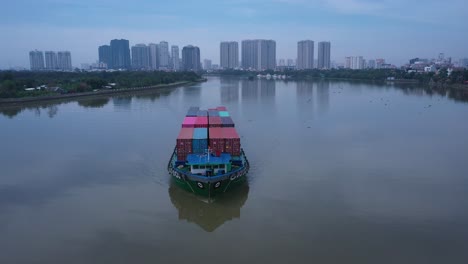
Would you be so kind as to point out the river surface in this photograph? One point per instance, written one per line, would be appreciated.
(341, 172)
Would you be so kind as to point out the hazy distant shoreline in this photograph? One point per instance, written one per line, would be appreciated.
(13, 101)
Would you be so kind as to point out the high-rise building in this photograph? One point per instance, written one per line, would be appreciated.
(175, 57)
(348, 62)
(153, 56)
(305, 54)
(191, 58)
(206, 64)
(120, 50)
(36, 60)
(51, 60)
(140, 57)
(229, 54)
(281, 62)
(291, 63)
(324, 55)
(259, 54)
(105, 55)
(357, 63)
(64, 62)
(163, 55)
(371, 64)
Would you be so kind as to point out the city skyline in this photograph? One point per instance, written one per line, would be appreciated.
(370, 29)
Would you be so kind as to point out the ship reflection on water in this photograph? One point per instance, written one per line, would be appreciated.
(208, 214)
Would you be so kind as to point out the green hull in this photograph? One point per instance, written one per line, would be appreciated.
(209, 189)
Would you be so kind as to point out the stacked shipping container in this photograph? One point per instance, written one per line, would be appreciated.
(184, 143)
(213, 128)
(201, 122)
(189, 121)
(200, 140)
(193, 111)
(224, 140)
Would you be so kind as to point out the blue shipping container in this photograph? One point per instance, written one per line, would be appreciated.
(223, 113)
(199, 146)
(213, 113)
(202, 113)
(200, 140)
(200, 133)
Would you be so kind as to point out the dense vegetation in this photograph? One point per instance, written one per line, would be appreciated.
(13, 84)
(442, 77)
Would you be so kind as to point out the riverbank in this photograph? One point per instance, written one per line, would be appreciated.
(14, 101)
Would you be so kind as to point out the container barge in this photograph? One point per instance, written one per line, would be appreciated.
(208, 158)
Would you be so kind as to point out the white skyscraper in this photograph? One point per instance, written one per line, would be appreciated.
(64, 62)
(305, 54)
(229, 55)
(51, 60)
(163, 55)
(324, 55)
(175, 58)
(36, 60)
(357, 63)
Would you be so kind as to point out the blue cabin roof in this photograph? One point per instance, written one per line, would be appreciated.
(200, 159)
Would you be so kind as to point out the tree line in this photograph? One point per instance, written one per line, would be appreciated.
(14, 83)
(442, 77)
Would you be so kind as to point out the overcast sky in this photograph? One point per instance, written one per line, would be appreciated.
(396, 30)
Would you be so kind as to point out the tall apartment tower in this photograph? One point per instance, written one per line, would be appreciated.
(305, 55)
(51, 60)
(64, 62)
(120, 50)
(140, 57)
(175, 58)
(163, 55)
(354, 63)
(191, 58)
(153, 56)
(105, 55)
(229, 55)
(324, 55)
(259, 54)
(36, 60)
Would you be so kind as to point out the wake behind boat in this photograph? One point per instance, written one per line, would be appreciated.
(208, 158)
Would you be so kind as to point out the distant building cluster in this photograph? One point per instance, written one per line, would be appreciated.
(432, 65)
(359, 63)
(52, 61)
(118, 55)
(254, 54)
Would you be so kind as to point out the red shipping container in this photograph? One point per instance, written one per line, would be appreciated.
(184, 143)
(216, 140)
(215, 121)
(201, 122)
(232, 141)
(221, 108)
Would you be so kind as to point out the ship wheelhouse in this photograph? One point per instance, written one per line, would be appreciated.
(208, 164)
